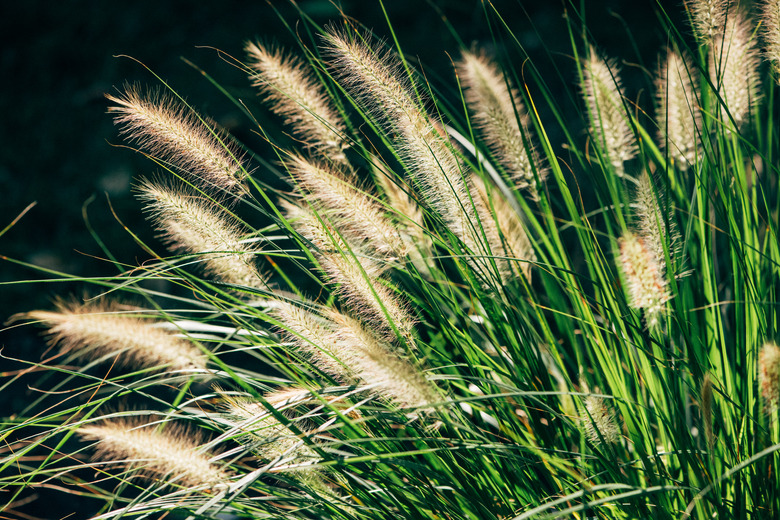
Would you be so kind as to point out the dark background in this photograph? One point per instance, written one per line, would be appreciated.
(57, 62)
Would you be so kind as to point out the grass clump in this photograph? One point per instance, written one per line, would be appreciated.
(440, 313)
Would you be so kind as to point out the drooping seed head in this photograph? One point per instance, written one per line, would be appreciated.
(292, 90)
(170, 131)
(171, 455)
(355, 212)
(100, 329)
(500, 116)
(193, 225)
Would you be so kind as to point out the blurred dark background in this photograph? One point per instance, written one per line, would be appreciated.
(57, 60)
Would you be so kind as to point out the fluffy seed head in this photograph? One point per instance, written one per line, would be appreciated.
(172, 132)
(171, 455)
(677, 112)
(374, 361)
(354, 212)
(599, 422)
(99, 329)
(654, 222)
(500, 116)
(734, 64)
(292, 91)
(644, 276)
(381, 85)
(708, 17)
(771, 34)
(609, 123)
(355, 275)
(769, 374)
(189, 224)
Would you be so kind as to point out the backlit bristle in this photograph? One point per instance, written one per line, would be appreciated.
(677, 114)
(193, 225)
(734, 70)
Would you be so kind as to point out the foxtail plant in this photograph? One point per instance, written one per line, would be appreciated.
(439, 311)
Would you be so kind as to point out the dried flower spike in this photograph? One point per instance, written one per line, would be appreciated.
(292, 91)
(172, 132)
(500, 116)
(609, 123)
(378, 81)
(677, 112)
(191, 225)
(708, 17)
(172, 455)
(267, 436)
(99, 329)
(769, 374)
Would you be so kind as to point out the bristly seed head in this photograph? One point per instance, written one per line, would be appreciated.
(677, 113)
(99, 329)
(171, 455)
(770, 19)
(499, 114)
(599, 421)
(734, 64)
(170, 131)
(292, 91)
(190, 224)
(645, 281)
(609, 123)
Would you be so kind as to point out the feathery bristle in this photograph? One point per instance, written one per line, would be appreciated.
(677, 113)
(769, 374)
(599, 422)
(510, 236)
(189, 224)
(171, 456)
(770, 19)
(500, 116)
(292, 91)
(734, 63)
(312, 335)
(609, 122)
(377, 80)
(347, 350)
(99, 329)
(172, 132)
(708, 17)
(354, 212)
(645, 281)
